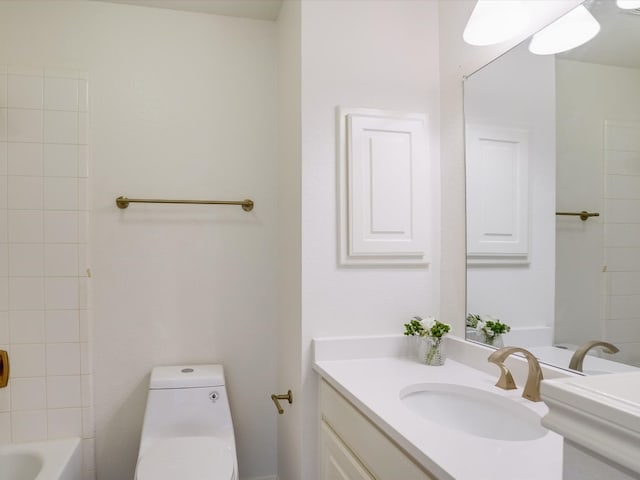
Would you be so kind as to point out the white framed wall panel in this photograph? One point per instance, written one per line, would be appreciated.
(497, 195)
(384, 175)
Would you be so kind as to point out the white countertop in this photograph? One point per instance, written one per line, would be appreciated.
(373, 385)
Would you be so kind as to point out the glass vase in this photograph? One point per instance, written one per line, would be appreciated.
(416, 342)
(494, 341)
(432, 351)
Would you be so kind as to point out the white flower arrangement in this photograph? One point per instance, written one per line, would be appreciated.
(429, 333)
(426, 327)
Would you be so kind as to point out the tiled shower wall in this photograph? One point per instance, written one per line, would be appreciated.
(44, 316)
(622, 238)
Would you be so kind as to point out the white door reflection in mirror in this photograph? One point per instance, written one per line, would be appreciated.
(497, 194)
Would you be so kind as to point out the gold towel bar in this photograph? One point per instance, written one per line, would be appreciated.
(123, 202)
(583, 215)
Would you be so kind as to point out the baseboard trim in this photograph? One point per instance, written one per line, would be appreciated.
(270, 477)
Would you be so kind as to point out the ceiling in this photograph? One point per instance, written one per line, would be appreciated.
(257, 9)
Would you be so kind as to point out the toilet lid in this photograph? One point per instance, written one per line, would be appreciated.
(193, 458)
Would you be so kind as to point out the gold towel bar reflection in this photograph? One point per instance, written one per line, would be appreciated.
(123, 202)
(583, 215)
(275, 398)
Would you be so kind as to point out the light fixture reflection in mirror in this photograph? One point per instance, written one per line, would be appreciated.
(568, 32)
(628, 4)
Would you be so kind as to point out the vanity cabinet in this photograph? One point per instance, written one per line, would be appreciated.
(337, 461)
(353, 448)
(599, 418)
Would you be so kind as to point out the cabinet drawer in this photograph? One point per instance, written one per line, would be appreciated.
(337, 461)
(375, 450)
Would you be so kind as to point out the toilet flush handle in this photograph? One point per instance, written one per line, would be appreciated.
(276, 399)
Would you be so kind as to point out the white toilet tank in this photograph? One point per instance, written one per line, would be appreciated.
(187, 425)
(186, 400)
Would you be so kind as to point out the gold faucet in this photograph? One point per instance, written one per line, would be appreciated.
(579, 354)
(532, 387)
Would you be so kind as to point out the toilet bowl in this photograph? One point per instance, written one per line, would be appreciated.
(187, 431)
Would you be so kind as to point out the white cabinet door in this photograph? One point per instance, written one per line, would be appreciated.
(352, 447)
(337, 462)
(385, 187)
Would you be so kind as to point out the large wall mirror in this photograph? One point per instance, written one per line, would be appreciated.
(549, 137)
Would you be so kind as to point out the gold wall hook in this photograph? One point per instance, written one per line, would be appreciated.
(276, 398)
(4, 368)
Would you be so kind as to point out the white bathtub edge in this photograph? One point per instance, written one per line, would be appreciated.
(62, 459)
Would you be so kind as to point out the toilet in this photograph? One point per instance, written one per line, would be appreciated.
(187, 431)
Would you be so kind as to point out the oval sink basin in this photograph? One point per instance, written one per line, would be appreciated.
(473, 411)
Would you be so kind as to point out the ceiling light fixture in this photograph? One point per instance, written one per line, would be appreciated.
(569, 31)
(494, 21)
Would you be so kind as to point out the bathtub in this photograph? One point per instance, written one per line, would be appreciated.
(50, 460)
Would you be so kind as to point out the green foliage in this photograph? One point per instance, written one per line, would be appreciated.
(497, 327)
(414, 327)
(472, 320)
(439, 329)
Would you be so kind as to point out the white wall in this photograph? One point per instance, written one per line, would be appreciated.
(592, 303)
(375, 54)
(358, 66)
(517, 90)
(183, 105)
